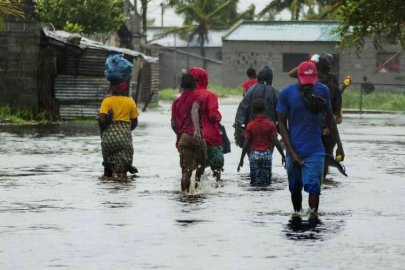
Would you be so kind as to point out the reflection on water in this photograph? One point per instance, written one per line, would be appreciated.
(301, 228)
(189, 222)
(56, 211)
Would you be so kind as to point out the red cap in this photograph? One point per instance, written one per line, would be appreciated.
(307, 73)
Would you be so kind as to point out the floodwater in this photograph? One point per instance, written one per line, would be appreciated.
(56, 212)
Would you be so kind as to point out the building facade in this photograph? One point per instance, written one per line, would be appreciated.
(284, 44)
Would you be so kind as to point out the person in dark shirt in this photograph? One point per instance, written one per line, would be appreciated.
(264, 91)
(251, 73)
(186, 123)
(336, 104)
(260, 137)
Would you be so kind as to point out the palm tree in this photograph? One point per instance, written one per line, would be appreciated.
(199, 17)
(144, 7)
(329, 9)
(295, 7)
(9, 7)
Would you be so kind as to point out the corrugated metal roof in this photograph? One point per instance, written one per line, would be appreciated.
(214, 39)
(85, 43)
(304, 31)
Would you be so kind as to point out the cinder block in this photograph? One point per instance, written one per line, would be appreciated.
(15, 26)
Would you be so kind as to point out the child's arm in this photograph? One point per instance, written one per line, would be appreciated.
(246, 146)
(280, 149)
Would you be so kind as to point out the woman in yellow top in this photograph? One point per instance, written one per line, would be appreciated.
(118, 117)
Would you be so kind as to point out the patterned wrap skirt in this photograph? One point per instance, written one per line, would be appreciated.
(260, 168)
(117, 148)
(215, 157)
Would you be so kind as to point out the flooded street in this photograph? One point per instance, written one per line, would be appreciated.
(55, 212)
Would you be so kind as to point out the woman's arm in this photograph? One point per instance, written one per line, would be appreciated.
(102, 122)
(134, 123)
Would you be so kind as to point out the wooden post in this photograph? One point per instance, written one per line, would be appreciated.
(148, 101)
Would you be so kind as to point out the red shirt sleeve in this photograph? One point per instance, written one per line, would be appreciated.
(213, 111)
(173, 110)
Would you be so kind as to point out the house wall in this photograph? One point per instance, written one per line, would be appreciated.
(238, 56)
(19, 58)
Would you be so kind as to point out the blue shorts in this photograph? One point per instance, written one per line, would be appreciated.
(308, 176)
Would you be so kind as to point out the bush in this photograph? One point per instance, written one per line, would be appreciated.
(386, 101)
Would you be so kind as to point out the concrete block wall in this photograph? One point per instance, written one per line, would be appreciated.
(238, 56)
(150, 78)
(19, 57)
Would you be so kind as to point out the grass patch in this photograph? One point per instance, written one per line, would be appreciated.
(23, 116)
(384, 101)
(16, 115)
(222, 92)
(225, 92)
(168, 94)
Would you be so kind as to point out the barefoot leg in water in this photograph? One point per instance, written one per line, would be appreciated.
(108, 172)
(199, 172)
(185, 181)
(217, 174)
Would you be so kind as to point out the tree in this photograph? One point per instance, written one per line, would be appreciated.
(199, 17)
(92, 16)
(381, 20)
(294, 6)
(328, 9)
(9, 7)
(144, 7)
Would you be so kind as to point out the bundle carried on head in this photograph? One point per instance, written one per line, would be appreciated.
(117, 71)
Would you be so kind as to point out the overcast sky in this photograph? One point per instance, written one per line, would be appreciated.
(171, 19)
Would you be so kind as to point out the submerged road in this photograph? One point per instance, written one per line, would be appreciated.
(56, 212)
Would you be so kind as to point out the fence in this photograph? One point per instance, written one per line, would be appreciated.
(369, 97)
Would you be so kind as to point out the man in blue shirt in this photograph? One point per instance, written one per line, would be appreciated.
(302, 105)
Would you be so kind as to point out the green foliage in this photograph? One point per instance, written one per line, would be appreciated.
(327, 9)
(44, 117)
(73, 27)
(200, 16)
(294, 6)
(374, 101)
(151, 22)
(168, 94)
(222, 92)
(24, 115)
(9, 7)
(381, 20)
(16, 115)
(93, 16)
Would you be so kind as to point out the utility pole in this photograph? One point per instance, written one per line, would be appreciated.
(162, 5)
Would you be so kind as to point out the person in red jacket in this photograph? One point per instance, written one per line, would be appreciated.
(211, 117)
(251, 73)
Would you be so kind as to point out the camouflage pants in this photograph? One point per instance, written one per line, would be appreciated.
(116, 145)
